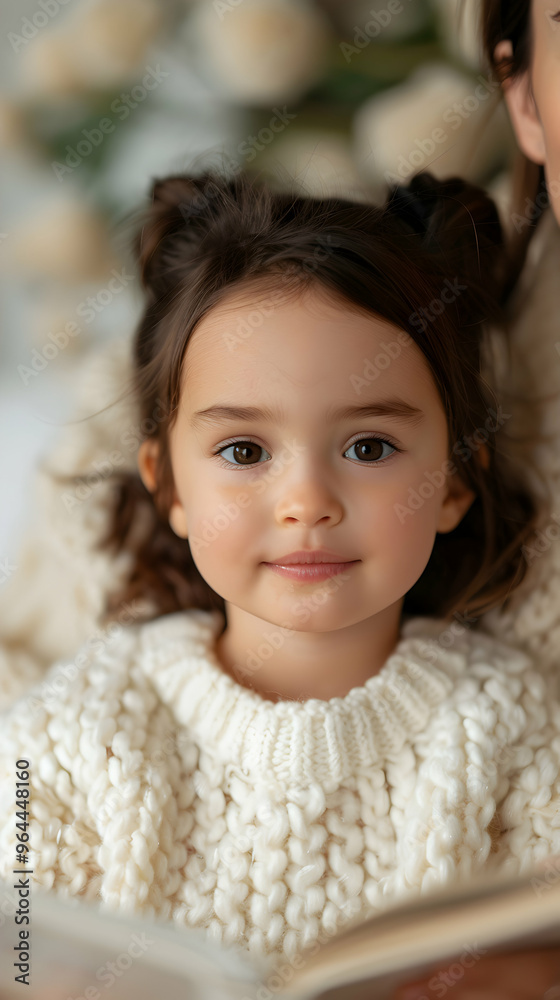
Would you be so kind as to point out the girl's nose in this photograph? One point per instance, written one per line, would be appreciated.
(310, 500)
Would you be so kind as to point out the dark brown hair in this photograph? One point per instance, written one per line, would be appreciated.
(204, 235)
(511, 19)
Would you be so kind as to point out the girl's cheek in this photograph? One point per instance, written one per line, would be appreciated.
(412, 517)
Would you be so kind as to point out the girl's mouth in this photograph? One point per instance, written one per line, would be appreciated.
(309, 572)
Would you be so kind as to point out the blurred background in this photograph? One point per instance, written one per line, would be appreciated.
(99, 97)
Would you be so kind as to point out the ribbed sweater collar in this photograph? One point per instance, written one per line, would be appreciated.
(293, 742)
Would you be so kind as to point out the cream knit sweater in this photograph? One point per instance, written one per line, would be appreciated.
(160, 785)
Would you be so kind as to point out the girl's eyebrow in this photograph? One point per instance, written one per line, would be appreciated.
(398, 409)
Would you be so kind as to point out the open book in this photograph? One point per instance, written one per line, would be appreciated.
(78, 951)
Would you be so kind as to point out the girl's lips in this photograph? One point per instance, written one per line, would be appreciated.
(309, 572)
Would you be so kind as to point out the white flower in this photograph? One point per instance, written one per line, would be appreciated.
(110, 38)
(48, 69)
(63, 240)
(438, 120)
(99, 45)
(260, 51)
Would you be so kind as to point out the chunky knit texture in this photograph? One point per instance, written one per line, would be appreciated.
(162, 786)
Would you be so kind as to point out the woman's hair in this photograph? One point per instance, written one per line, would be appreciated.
(431, 261)
(507, 19)
(511, 19)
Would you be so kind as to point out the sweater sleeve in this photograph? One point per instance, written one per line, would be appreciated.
(110, 786)
(528, 791)
(43, 803)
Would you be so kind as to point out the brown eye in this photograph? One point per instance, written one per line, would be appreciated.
(371, 450)
(243, 453)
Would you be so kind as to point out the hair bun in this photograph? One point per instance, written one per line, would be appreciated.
(415, 203)
(176, 203)
(458, 221)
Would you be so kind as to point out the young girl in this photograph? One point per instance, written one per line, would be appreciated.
(302, 723)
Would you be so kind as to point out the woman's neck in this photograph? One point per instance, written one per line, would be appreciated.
(289, 665)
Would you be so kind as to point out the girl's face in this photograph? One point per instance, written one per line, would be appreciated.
(532, 98)
(305, 474)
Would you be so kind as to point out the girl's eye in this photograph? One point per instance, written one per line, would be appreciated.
(370, 450)
(241, 450)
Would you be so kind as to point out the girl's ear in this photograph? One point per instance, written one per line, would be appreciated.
(459, 497)
(523, 111)
(147, 463)
(147, 467)
(456, 504)
(177, 518)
